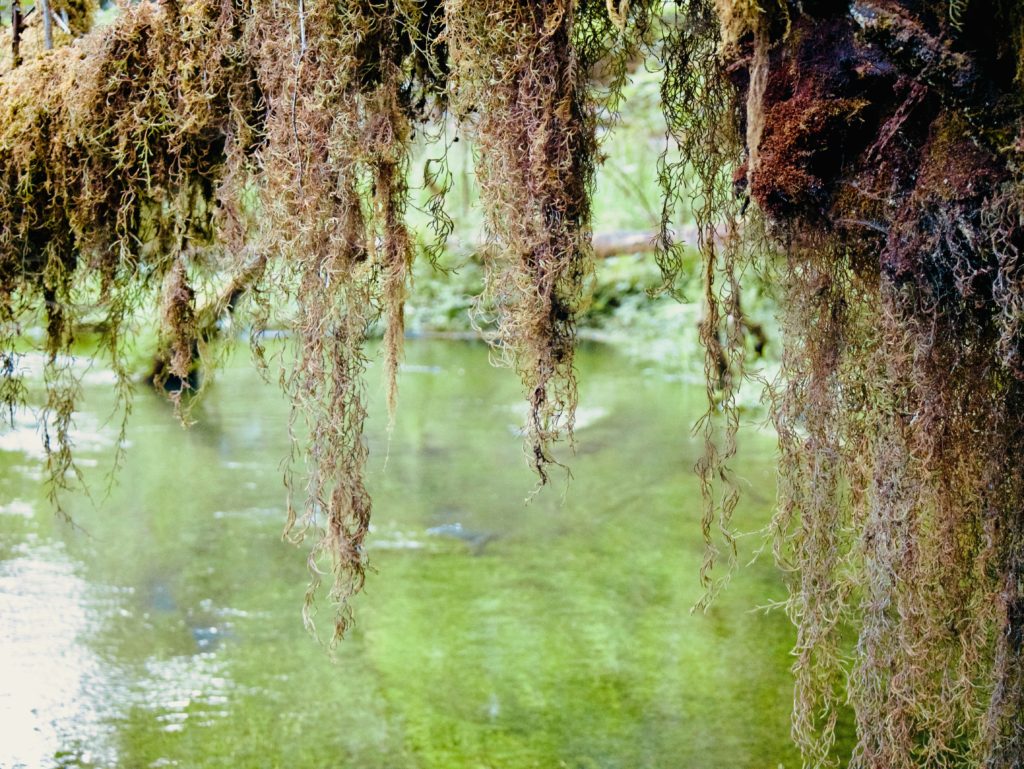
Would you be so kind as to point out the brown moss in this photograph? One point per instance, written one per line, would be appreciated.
(817, 111)
(900, 420)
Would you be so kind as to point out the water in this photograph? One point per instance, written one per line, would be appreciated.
(165, 631)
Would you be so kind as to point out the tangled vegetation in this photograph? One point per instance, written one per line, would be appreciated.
(864, 154)
(897, 205)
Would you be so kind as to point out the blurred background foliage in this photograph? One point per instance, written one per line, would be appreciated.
(627, 306)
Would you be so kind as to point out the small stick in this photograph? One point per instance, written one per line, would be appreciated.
(62, 23)
(44, 7)
(16, 29)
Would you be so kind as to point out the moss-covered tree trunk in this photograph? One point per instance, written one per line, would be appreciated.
(883, 147)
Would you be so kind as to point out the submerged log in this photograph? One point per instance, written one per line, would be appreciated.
(207, 328)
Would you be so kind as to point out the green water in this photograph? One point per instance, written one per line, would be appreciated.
(166, 630)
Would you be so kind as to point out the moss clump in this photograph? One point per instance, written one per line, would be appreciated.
(897, 209)
(112, 154)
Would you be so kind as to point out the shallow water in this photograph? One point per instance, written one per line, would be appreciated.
(165, 630)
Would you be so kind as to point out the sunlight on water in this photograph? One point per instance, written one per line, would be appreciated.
(49, 679)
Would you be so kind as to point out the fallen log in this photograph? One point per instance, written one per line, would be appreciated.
(605, 244)
(208, 319)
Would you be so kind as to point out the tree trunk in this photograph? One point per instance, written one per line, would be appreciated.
(885, 150)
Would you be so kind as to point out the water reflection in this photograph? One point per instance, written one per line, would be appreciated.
(52, 685)
(165, 632)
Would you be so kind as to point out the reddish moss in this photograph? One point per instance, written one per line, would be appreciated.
(933, 240)
(819, 107)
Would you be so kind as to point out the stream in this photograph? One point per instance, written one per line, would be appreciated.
(163, 628)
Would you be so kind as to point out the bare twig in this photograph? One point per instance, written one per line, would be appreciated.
(61, 22)
(44, 8)
(17, 26)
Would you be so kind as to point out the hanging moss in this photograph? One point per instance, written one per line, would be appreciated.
(518, 94)
(865, 154)
(897, 208)
(345, 88)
